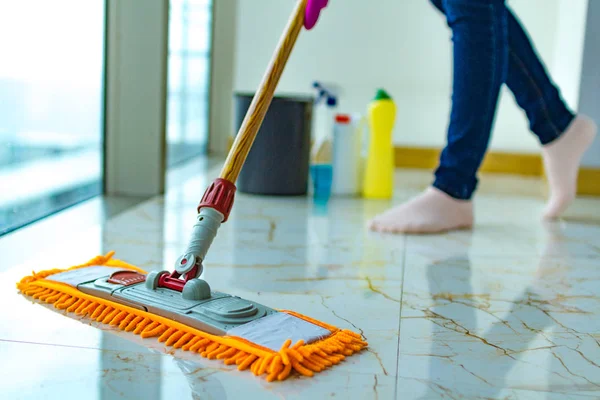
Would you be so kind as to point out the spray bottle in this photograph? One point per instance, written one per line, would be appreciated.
(379, 171)
(321, 167)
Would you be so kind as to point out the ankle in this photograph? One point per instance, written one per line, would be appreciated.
(433, 190)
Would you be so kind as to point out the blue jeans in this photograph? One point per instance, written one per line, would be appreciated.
(491, 48)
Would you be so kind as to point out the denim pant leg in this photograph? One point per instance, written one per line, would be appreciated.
(534, 91)
(531, 85)
(480, 53)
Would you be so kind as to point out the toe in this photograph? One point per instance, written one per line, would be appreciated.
(373, 224)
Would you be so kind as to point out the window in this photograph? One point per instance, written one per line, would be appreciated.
(189, 79)
(51, 106)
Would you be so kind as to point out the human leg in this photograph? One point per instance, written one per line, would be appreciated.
(530, 83)
(564, 137)
(479, 63)
(480, 53)
(532, 87)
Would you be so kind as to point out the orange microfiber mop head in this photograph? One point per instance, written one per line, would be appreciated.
(304, 358)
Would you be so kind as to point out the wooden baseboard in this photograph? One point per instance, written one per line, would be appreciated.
(588, 182)
(494, 162)
(531, 165)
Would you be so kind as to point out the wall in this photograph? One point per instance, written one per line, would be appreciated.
(222, 74)
(403, 46)
(137, 48)
(568, 49)
(590, 80)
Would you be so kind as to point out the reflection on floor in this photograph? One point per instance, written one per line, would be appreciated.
(510, 310)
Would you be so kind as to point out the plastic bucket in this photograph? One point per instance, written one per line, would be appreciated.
(278, 162)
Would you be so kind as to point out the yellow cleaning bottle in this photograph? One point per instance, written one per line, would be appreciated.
(379, 171)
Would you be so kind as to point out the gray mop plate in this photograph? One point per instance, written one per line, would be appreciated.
(221, 314)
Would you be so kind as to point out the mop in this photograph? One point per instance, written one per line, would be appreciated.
(179, 308)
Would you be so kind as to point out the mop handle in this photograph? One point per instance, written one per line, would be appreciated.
(263, 97)
(217, 201)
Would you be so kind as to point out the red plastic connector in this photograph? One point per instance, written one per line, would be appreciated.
(219, 195)
(173, 282)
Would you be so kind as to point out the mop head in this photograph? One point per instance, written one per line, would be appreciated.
(249, 346)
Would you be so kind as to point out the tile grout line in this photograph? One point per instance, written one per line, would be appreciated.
(400, 314)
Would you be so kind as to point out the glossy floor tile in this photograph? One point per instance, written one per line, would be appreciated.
(510, 310)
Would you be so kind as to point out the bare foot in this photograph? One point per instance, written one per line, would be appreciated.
(561, 160)
(433, 211)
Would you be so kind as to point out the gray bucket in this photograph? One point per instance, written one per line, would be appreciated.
(278, 162)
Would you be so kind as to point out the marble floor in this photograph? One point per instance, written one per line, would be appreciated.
(510, 310)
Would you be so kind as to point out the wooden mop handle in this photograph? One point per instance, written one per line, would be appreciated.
(262, 99)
